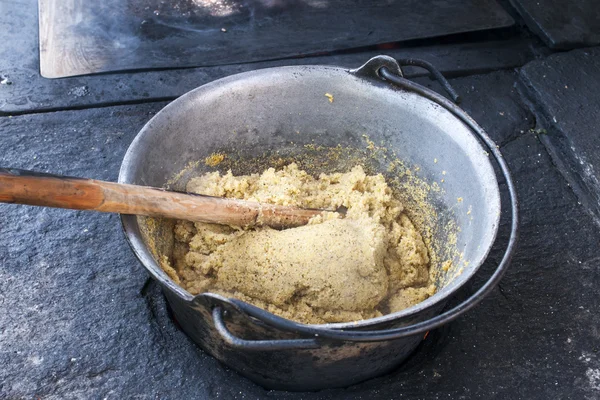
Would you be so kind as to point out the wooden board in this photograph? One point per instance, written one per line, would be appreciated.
(81, 37)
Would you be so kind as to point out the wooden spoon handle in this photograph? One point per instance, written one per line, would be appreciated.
(37, 189)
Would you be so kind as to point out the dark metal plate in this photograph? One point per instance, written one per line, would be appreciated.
(82, 37)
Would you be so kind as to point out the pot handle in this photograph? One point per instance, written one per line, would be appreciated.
(374, 67)
(278, 344)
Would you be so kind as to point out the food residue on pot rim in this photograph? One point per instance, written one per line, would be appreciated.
(214, 159)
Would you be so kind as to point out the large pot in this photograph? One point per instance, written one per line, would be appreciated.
(261, 117)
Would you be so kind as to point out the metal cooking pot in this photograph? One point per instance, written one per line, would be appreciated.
(261, 117)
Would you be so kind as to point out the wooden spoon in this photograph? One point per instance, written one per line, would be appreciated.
(38, 189)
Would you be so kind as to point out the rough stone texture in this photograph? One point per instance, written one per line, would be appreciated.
(79, 318)
(19, 61)
(562, 24)
(493, 101)
(565, 91)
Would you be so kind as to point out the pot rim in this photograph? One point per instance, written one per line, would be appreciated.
(132, 233)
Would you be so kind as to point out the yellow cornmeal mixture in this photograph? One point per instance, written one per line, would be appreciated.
(369, 263)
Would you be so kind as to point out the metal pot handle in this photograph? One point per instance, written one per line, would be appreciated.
(276, 344)
(373, 67)
(383, 67)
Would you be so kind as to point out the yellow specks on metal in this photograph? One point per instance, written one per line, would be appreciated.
(447, 265)
(214, 159)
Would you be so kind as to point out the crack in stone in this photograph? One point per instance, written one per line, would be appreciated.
(531, 118)
(151, 304)
(92, 375)
(146, 287)
(501, 290)
(87, 107)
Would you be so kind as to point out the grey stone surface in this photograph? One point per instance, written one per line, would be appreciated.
(493, 101)
(80, 319)
(562, 24)
(59, 266)
(565, 92)
(29, 92)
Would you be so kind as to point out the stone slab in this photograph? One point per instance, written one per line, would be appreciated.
(79, 317)
(562, 24)
(565, 92)
(30, 92)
